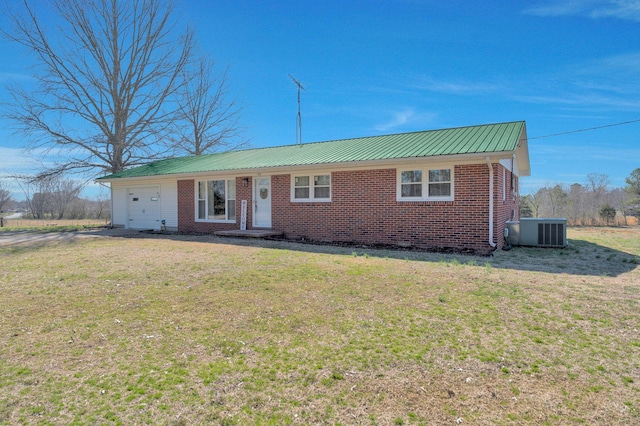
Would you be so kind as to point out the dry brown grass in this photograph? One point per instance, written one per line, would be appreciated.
(22, 223)
(200, 330)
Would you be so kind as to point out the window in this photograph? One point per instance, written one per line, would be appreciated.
(411, 184)
(425, 185)
(301, 190)
(321, 187)
(440, 183)
(311, 188)
(217, 200)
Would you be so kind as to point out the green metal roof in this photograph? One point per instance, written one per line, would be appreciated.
(484, 139)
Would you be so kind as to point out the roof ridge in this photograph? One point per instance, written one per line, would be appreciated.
(363, 137)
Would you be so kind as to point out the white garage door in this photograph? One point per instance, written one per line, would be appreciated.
(143, 206)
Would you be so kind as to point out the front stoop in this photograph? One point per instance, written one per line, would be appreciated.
(250, 233)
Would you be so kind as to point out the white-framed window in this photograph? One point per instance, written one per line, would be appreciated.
(411, 184)
(216, 200)
(425, 184)
(311, 187)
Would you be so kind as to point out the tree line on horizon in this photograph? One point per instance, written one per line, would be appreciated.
(592, 203)
(53, 198)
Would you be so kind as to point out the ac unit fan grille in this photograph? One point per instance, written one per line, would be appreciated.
(550, 234)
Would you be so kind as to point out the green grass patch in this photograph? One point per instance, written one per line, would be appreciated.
(182, 331)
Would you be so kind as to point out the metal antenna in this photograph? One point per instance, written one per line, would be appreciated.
(299, 118)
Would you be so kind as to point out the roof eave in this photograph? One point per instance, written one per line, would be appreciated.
(522, 153)
(342, 165)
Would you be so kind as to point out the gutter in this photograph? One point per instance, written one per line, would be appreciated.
(449, 159)
(491, 243)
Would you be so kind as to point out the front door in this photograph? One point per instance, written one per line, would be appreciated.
(262, 202)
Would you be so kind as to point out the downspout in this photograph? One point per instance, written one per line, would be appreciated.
(491, 243)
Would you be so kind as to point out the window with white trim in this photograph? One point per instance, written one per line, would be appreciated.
(425, 184)
(216, 200)
(411, 184)
(311, 187)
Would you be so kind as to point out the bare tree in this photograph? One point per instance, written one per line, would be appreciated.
(577, 210)
(106, 75)
(100, 208)
(62, 194)
(208, 118)
(598, 186)
(49, 196)
(34, 191)
(534, 201)
(621, 202)
(5, 196)
(77, 209)
(598, 183)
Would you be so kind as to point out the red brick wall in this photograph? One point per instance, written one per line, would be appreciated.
(364, 210)
(505, 206)
(187, 213)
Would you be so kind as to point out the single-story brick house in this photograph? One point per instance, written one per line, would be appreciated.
(450, 188)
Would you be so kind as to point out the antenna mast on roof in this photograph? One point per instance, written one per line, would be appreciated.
(299, 117)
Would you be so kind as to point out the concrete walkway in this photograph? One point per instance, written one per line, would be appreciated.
(249, 233)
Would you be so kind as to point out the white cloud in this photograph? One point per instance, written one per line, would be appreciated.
(428, 83)
(406, 119)
(610, 83)
(613, 67)
(562, 8)
(581, 100)
(6, 77)
(620, 9)
(16, 161)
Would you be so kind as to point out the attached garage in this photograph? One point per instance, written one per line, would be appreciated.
(143, 207)
(145, 204)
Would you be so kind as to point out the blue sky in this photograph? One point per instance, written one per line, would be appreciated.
(378, 67)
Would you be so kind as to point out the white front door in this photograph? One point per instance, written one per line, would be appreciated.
(143, 206)
(262, 202)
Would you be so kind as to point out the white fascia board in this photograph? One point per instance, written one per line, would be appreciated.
(457, 159)
(522, 154)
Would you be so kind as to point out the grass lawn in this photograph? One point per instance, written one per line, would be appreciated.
(185, 330)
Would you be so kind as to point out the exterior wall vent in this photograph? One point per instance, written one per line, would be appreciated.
(536, 232)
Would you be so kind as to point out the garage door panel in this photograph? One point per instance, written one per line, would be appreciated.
(143, 206)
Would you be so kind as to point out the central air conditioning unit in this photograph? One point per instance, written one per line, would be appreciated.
(537, 232)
